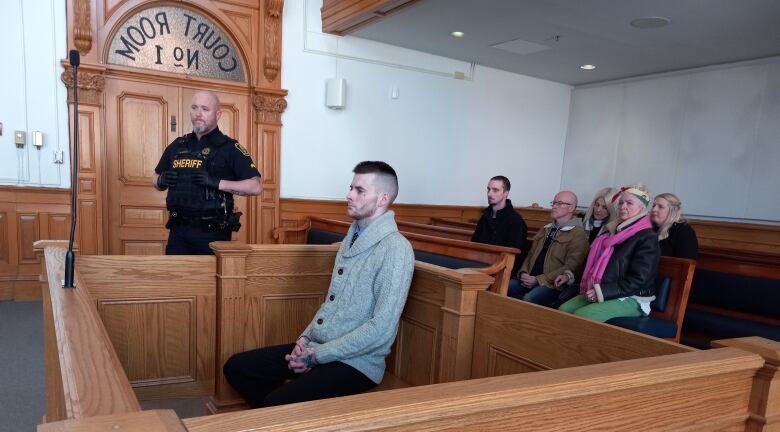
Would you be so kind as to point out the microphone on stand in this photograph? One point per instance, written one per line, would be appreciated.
(75, 60)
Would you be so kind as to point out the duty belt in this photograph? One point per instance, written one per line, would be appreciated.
(211, 221)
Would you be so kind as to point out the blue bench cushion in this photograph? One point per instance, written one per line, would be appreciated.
(446, 261)
(320, 237)
(652, 326)
(741, 293)
(725, 327)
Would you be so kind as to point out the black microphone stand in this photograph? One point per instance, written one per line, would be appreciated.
(70, 259)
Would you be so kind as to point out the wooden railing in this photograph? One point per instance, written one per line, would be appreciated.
(451, 330)
(84, 377)
(499, 259)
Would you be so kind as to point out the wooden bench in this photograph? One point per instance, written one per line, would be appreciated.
(734, 294)
(495, 261)
(673, 285)
(452, 329)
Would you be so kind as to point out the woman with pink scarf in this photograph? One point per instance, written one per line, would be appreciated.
(619, 277)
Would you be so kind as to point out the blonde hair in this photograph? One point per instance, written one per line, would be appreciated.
(613, 224)
(675, 214)
(607, 193)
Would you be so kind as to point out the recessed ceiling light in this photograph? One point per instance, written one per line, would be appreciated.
(650, 22)
(587, 67)
(457, 34)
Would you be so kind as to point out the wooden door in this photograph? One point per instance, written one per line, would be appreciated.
(138, 128)
(139, 125)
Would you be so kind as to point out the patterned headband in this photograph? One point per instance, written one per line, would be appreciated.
(642, 195)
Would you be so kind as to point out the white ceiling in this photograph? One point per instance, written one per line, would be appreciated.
(701, 33)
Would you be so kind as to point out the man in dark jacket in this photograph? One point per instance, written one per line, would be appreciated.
(500, 223)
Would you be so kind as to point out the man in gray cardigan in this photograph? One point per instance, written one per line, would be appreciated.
(343, 349)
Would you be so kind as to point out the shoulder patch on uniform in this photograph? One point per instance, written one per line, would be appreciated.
(242, 149)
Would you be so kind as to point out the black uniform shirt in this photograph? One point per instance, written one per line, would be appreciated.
(232, 162)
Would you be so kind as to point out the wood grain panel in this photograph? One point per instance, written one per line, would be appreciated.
(116, 276)
(342, 17)
(131, 247)
(137, 216)
(143, 121)
(87, 186)
(283, 318)
(4, 244)
(269, 145)
(502, 362)
(417, 346)
(88, 226)
(59, 227)
(554, 339)
(154, 338)
(28, 233)
(87, 163)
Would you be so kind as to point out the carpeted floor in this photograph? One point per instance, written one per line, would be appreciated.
(22, 387)
(22, 382)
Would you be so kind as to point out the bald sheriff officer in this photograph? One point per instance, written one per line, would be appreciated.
(202, 171)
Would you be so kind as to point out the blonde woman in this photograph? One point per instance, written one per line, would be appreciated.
(600, 212)
(619, 276)
(677, 238)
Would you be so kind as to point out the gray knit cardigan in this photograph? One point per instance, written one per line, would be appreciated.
(358, 321)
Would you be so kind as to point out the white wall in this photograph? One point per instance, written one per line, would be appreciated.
(34, 99)
(711, 136)
(444, 136)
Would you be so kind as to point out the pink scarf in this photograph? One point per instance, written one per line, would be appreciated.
(601, 252)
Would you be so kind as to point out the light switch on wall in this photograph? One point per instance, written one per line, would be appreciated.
(58, 156)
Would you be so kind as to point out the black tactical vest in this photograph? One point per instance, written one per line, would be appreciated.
(196, 200)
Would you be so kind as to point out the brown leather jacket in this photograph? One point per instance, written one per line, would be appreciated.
(567, 253)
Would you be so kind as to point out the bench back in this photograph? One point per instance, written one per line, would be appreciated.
(495, 261)
(680, 272)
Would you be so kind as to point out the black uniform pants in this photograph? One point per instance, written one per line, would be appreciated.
(193, 240)
(262, 378)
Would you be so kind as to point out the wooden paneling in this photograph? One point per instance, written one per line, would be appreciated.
(697, 391)
(535, 336)
(154, 338)
(160, 315)
(5, 257)
(345, 16)
(26, 215)
(729, 239)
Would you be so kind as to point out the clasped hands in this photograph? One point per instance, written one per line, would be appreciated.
(302, 358)
(170, 178)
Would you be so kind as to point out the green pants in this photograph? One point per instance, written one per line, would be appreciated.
(580, 306)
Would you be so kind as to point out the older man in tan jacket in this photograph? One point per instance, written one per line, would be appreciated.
(556, 257)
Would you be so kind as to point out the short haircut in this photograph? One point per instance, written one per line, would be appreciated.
(503, 180)
(387, 179)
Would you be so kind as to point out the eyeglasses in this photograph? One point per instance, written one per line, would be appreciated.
(559, 203)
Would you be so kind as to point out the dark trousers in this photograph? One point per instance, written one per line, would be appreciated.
(261, 377)
(193, 240)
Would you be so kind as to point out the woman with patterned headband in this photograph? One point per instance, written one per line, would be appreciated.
(619, 277)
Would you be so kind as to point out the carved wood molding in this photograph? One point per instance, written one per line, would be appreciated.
(272, 62)
(91, 85)
(82, 26)
(341, 17)
(269, 108)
